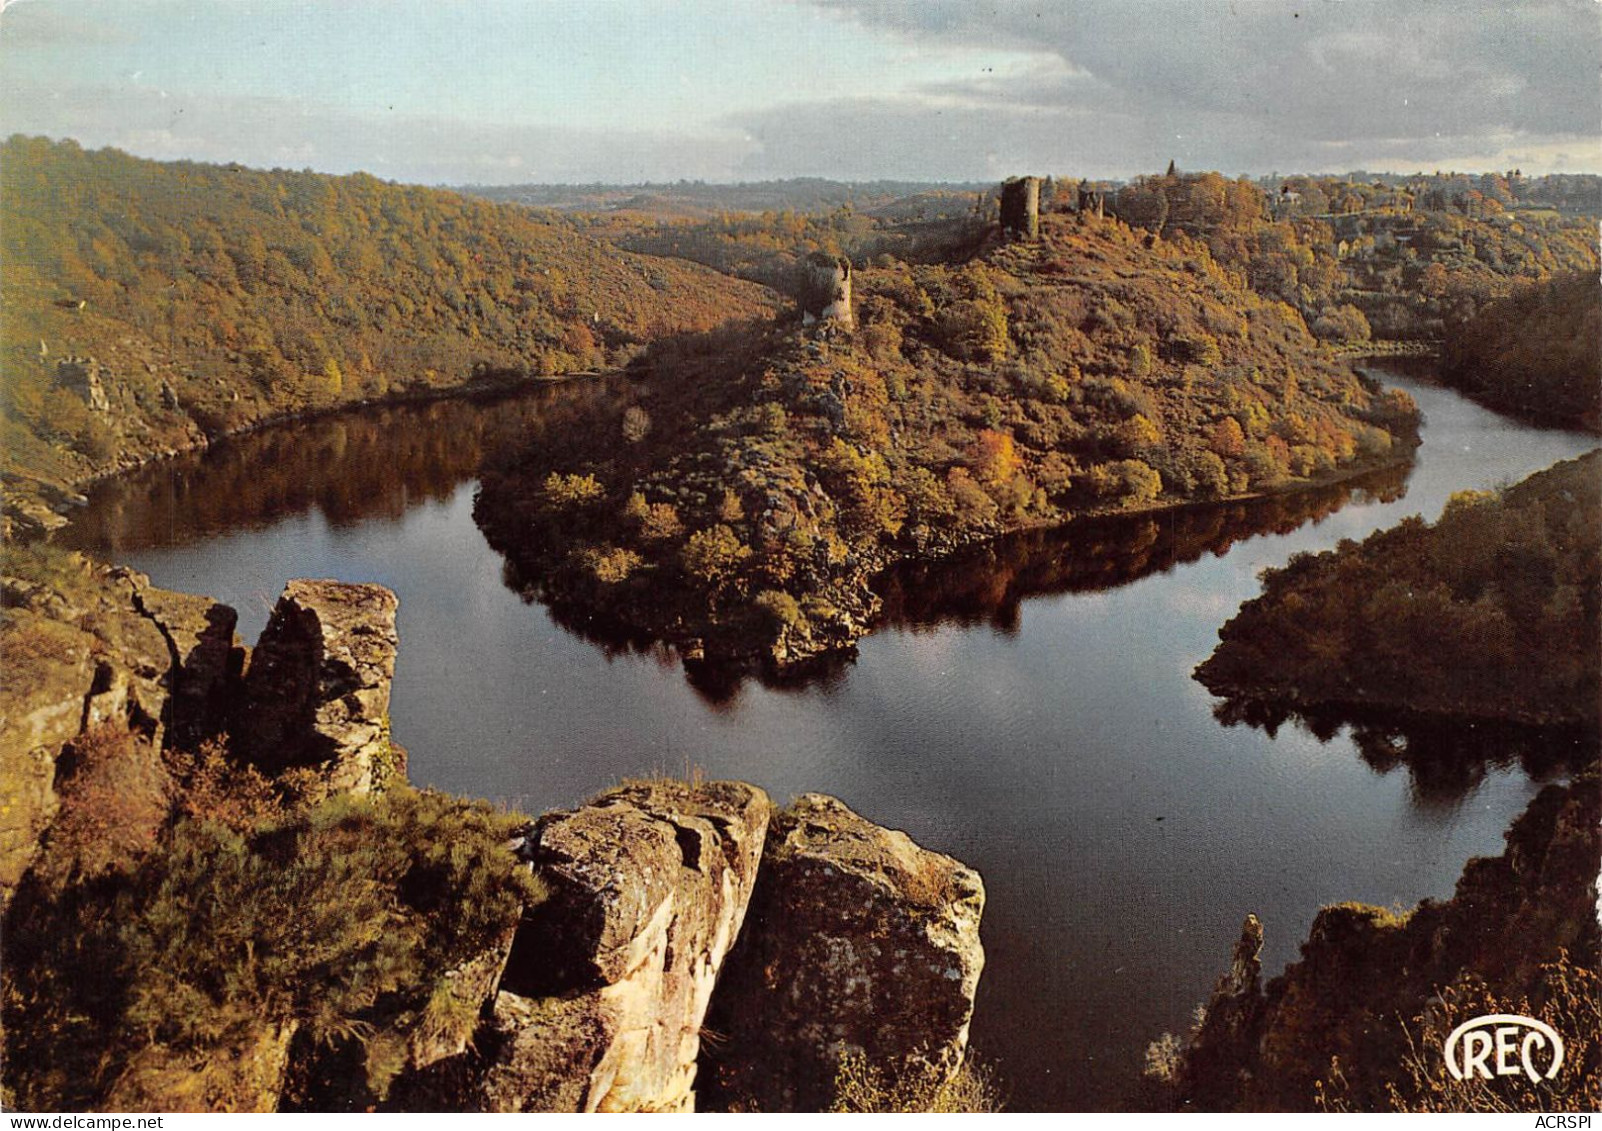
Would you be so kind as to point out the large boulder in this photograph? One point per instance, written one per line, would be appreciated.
(859, 943)
(603, 999)
(316, 694)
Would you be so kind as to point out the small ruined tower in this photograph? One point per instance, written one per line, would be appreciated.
(826, 290)
(1020, 207)
(1092, 201)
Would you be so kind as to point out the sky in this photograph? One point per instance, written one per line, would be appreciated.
(509, 91)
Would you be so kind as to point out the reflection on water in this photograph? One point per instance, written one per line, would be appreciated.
(371, 465)
(1027, 708)
(1445, 761)
(988, 586)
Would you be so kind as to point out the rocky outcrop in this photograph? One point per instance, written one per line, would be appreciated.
(1020, 207)
(856, 941)
(1219, 1057)
(597, 999)
(1344, 1025)
(602, 1003)
(317, 692)
(207, 659)
(85, 645)
(83, 375)
(859, 942)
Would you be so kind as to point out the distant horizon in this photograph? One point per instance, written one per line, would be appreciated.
(502, 92)
(971, 184)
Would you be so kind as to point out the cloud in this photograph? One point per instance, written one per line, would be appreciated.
(1312, 78)
(957, 90)
(935, 138)
(277, 132)
(28, 25)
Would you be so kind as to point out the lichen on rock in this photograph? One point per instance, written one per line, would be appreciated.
(649, 886)
(859, 943)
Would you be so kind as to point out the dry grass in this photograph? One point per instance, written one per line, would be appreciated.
(923, 1088)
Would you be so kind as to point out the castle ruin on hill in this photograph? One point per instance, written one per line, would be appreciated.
(826, 290)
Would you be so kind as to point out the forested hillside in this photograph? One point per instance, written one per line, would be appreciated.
(1395, 259)
(211, 297)
(769, 247)
(1359, 260)
(762, 480)
(1536, 353)
(1491, 613)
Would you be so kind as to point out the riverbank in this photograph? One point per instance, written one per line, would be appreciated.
(1490, 613)
(37, 508)
(203, 299)
(730, 644)
(1360, 1021)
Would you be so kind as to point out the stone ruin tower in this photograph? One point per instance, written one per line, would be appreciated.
(1020, 207)
(826, 290)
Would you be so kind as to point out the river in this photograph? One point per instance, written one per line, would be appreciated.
(1028, 709)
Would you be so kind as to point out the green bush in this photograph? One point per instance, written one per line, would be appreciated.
(329, 919)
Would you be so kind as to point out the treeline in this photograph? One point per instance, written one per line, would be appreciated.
(769, 247)
(1491, 613)
(761, 480)
(698, 199)
(1536, 353)
(1361, 260)
(214, 296)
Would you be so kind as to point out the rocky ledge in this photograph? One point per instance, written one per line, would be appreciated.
(671, 909)
(1359, 1022)
(88, 645)
(798, 937)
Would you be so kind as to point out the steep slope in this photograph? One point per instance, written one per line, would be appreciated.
(1536, 354)
(1359, 1022)
(1492, 613)
(762, 480)
(148, 306)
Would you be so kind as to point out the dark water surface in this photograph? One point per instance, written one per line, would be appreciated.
(1029, 709)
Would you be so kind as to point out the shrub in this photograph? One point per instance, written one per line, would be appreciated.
(714, 555)
(113, 792)
(611, 564)
(569, 490)
(921, 1088)
(334, 918)
(214, 787)
(781, 608)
